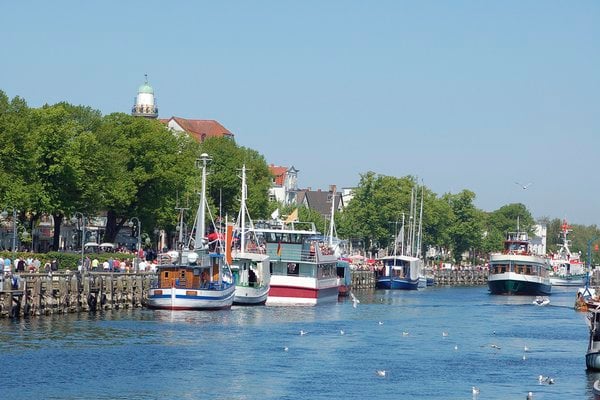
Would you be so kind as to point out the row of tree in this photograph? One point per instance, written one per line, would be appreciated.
(61, 159)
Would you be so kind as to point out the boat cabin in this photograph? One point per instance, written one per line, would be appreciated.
(206, 274)
(516, 243)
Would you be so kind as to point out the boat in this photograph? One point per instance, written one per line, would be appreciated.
(196, 278)
(587, 299)
(517, 270)
(404, 271)
(567, 268)
(596, 389)
(303, 265)
(400, 272)
(344, 278)
(592, 356)
(249, 261)
(541, 301)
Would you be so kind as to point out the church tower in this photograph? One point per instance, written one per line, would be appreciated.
(145, 105)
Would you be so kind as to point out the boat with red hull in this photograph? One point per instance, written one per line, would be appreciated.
(303, 264)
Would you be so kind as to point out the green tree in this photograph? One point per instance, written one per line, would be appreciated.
(63, 142)
(466, 225)
(147, 169)
(224, 183)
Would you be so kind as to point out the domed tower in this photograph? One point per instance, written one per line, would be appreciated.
(145, 105)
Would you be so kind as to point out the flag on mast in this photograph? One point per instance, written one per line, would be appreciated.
(293, 217)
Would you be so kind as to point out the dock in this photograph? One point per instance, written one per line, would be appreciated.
(60, 293)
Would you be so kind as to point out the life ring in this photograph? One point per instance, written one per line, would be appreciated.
(91, 300)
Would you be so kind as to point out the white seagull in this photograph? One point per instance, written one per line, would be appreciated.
(380, 372)
(285, 348)
(529, 396)
(355, 301)
(455, 347)
(475, 391)
(524, 187)
(526, 348)
(495, 346)
(302, 333)
(444, 334)
(404, 333)
(341, 332)
(380, 322)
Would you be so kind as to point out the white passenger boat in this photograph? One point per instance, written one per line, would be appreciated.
(303, 265)
(196, 279)
(517, 270)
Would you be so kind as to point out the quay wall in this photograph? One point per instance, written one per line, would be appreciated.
(43, 294)
(444, 277)
(37, 294)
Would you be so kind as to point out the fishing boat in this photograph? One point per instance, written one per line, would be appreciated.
(592, 356)
(303, 265)
(404, 271)
(249, 261)
(517, 270)
(197, 278)
(399, 272)
(567, 268)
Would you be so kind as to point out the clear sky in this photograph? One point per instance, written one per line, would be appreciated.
(471, 95)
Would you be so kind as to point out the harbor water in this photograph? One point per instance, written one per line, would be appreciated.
(437, 343)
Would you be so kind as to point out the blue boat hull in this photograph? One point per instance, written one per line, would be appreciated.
(385, 282)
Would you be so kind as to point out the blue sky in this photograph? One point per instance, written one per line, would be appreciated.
(463, 94)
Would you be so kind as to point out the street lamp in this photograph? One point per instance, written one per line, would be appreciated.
(138, 239)
(74, 220)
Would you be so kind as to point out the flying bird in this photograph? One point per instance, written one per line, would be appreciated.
(524, 187)
(380, 372)
(302, 333)
(444, 334)
(475, 391)
(285, 348)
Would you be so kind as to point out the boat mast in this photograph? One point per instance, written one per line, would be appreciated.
(419, 234)
(243, 212)
(201, 226)
(331, 223)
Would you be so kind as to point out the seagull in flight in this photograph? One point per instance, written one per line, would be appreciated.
(524, 187)
(302, 333)
(380, 372)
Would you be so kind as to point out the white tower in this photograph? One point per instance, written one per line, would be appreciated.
(145, 105)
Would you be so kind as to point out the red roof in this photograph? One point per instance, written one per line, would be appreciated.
(201, 129)
(279, 173)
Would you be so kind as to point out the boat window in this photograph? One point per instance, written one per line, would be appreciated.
(292, 269)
